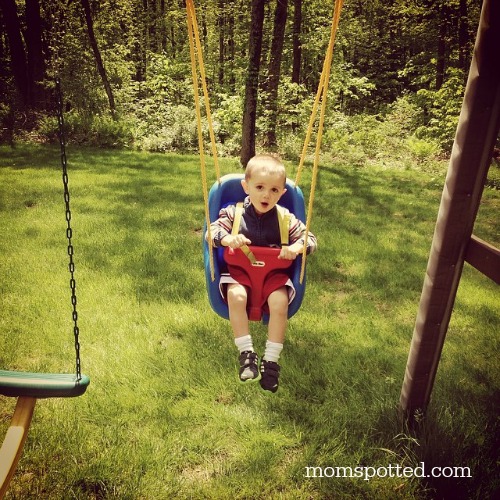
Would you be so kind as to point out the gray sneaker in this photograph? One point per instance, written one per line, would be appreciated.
(249, 367)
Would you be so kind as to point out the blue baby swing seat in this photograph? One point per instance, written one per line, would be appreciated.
(230, 191)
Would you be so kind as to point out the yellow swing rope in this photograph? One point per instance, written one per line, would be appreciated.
(321, 93)
(194, 43)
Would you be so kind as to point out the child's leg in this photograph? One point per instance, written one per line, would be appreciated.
(237, 304)
(278, 315)
(278, 318)
(238, 317)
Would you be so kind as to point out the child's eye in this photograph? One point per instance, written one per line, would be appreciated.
(275, 190)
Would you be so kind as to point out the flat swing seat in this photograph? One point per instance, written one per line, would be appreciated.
(42, 385)
(230, 191)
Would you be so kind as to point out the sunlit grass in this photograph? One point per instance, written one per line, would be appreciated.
(164, 416)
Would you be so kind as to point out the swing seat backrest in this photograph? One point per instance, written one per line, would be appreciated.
(230, 191)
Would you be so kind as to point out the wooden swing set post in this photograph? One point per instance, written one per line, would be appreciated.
(13, 444)
(453, 242)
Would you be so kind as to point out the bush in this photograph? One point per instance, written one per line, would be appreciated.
(99, 130)
(361, 139)
(405, 116)
(227, 122)
(376, 139)
(175, 130)
(441, 109)
(422, 149)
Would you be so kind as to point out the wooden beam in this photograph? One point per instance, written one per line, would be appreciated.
(471, 155)
(484, 257)
(13, 444)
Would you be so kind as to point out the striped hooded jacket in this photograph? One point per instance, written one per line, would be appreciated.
(261, 230)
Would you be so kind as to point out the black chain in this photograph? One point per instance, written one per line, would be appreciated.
(69, 231)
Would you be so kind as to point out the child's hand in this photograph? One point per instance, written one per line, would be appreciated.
(235, 241)
(291, 252)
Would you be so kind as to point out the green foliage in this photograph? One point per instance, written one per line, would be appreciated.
(405, 115)
(157, 125)
(295, 104)
(175, 130)
(379, 139)
(158, 107)
(226, 118)
(94, 130)
(349, 91)
(422, 148)
(167, 80)
(441, 109)
(4, 112)
(383, 70)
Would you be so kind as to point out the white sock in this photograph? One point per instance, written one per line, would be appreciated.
(244, 343)
(273, 351)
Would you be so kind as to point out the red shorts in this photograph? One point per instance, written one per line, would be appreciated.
(274, 284)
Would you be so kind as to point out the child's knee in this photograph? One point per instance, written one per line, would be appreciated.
(278, 301)
(236, 295)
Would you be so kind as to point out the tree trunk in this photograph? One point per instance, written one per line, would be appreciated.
(463, 38)
(98, 58)
(18, 54)
(441, 47)
(296, 49)
(36, 61)
(252, 82)
(296, 41)
(274, 71)
(231, 51)
(221, 26)
(163, 36)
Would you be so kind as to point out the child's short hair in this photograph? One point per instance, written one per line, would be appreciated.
(269, 163)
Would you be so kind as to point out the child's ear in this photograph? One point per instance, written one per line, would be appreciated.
(284, 191)
(244, 185)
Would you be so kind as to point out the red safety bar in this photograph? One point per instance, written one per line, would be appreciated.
(262, 277)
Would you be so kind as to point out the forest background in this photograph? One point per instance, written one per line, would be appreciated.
(398, 77)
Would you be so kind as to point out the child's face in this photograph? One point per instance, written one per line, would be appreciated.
(265, 189)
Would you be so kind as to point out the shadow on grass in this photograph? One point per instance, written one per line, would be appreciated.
(381, 228)
(456, 441)
(459, 455)
(28, 156)
(151, 220)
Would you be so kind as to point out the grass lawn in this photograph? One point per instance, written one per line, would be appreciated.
(164, 416)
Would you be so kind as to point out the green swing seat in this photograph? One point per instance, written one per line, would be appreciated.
(42, 385)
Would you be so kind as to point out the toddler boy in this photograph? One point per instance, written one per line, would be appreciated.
(264, 184)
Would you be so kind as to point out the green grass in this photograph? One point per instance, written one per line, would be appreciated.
(164, 416)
